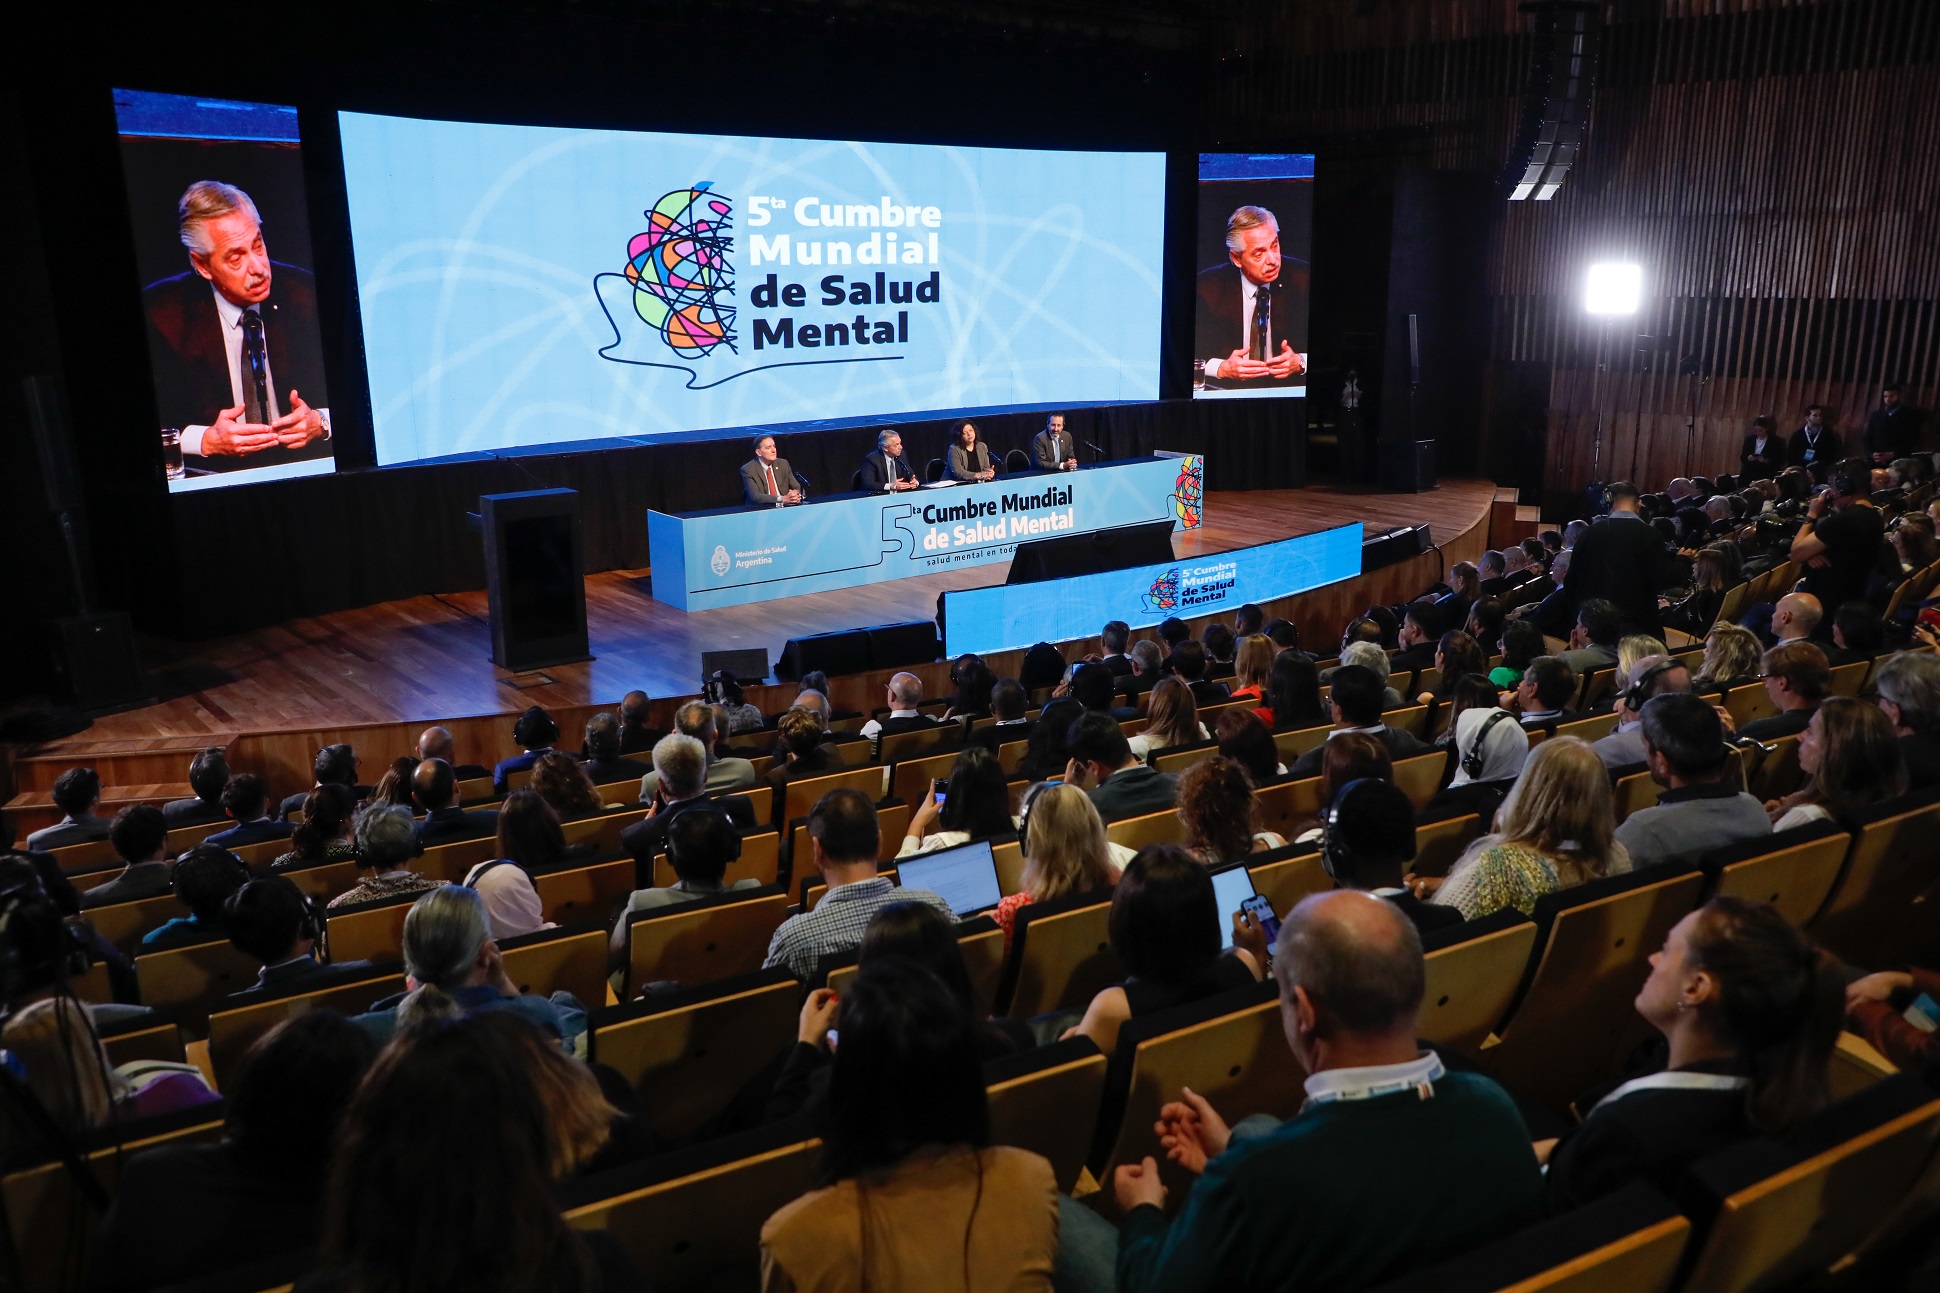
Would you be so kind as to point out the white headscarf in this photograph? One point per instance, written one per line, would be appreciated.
(1503, 752)
(512, 905)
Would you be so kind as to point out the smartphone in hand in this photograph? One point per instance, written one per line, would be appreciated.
(1261, 910)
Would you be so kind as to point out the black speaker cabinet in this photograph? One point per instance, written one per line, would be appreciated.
(897, 646)
(844, 652)
(535, 578)
(1408, 465)
(94, 655)
(746, 666)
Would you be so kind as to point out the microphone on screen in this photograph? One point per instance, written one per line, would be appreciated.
(1094, 448)
(802, 482)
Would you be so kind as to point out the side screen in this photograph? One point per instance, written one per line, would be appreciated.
(1249, 334)
(222, 243)
(525, 285)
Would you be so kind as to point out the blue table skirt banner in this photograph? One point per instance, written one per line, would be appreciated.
(1003, 617)
(733, 557)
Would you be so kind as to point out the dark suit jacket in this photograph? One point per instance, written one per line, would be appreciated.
(644, 839)
(1134, 792)
(891, 726)
(1207, 692)
(1622, 559)
(754, 482)
(1401, 745)
(1427, 917)
(191, 812)
(605, 771)
(64, 833)
(1774, 457)
(251, 833)
(636, 740)
(448, 825)
(294, 803)
(1892, 431)
(878, 470)
(1827, 449)
(1409, 659)
(1790, 723)
(517, 763)
(1221, 311)
(141, 880)
(269, 979)
(191, 363)
(1120, 665)
(1046, 456)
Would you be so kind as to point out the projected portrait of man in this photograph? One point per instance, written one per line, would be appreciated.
(234, 342)
(1251, 328)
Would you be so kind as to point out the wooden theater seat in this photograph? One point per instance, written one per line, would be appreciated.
(1889, 864)
(559, 960)
(368, 931)
(186, 979)
(1794, 871)
(1286, 875)
(892, 823)
(1180, 757)
(919, 742)
(1440, 841)
(981, 943)
(123, 923)
(703, 941)
(1009, 857)
(1060, 956)
(801, 797)
(1473, 970)
(324, 880)
(1420, 778)
(760, 860)
(151, 1036)
(1046, 1100)
(910, 780)
(1153, 828)
(450, 863)
(572, 895)
(236, 1022)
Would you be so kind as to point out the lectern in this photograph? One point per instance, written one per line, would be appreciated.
(535, 577)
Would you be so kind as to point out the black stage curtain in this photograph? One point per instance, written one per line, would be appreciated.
(258, 554)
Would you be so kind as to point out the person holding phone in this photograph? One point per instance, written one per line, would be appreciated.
(974, 804)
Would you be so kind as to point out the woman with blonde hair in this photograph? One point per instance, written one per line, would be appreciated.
(1253, 667)
(1698, 611)
(1171, 718)
(54, 1042)
(1733, 656)
(1850, 755)
(1633, 647)
(1222, 818)
(1555, 831)
(1065, 850)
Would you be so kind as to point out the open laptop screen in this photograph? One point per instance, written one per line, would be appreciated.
(965, 876)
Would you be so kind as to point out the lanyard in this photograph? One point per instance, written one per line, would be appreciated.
(1422, 1083)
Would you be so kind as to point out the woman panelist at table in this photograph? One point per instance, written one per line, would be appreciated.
(969, 459)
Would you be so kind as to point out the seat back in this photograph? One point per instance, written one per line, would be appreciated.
(1413, 720)
(910, 779)
(559, 960)
(980, 941)
(687, 1053)
(1635, 793)
(449, 863)
(1848, 678)
(760, 861)
(1009, 857)
(183, 838)
(1472, 973)
(920, 741)
(148, 1036)
(1420, 778)
(1440, 842)
(1888, 865)
(1181, 757)
(232, 1027)
(705, 941)
(368, 931)
(1747, 702)
(325, 880)
(1154, 828)
(1285, 876)
(88, 853)
(803, 794)
(1060, 956)
(576, 894)
(1593, 728)
(1787, 1212)
(1010, 754)
(262, 853)
(1289, 807)
(1793, 871)
(1594, 941)
(1778, 773)
(186, 979)
(1046, 1100)
(123, 923)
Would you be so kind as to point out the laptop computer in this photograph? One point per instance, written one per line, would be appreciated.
(965, 876)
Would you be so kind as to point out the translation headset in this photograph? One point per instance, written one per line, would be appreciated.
(1473, 761)
(1335, 853)
(1638, 692)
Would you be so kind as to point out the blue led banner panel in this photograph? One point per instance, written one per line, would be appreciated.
(529, 285)
(730, 558)
(1000, 618)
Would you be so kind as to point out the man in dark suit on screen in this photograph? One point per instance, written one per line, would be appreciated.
(234, 343)
(769, 478)
(885, 467)
(1251, 324)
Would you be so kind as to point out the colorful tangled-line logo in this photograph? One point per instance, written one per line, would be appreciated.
(1164, 593)
(679, 269)
(1189, 492)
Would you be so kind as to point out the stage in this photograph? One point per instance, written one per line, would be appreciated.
(425, 658)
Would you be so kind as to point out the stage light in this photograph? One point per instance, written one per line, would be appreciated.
(1614, 287)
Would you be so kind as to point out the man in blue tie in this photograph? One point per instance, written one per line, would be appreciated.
(886, 468)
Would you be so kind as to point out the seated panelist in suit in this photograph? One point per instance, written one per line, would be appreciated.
(885, 467)
(969, 458)
(235, 344)
(769, 478)
(1053, 449)
(1251, 327)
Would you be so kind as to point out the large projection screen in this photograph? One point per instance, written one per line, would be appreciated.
(1249, 333)
(524, 285)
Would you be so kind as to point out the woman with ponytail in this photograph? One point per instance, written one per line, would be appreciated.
(453, 968)
(1751, 1011)
(324, 834)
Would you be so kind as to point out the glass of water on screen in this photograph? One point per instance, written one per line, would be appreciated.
(172, 452)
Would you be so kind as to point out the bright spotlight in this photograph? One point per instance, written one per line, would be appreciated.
(1614, 287)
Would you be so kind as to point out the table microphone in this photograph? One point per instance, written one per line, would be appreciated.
(1094, 448)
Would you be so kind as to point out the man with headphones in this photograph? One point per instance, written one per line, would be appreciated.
(1367, 840)
(535, 731)
(1654, 675)
(274, 922)
(700, 846)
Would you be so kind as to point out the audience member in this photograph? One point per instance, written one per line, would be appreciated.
(1858, 634)
(1490, 569)
(845, 839)
(1367, 841)
(1355, 700)
(1165, 927)
(1555, 831)
(907, 1151)
(636, 713)
(1244, 739)
(387, 841)
(246, 800)
(1370, 656)
(1148, 667)
(1850, 755)
(1253, 667)
(1733, 657)
(680, 764)
(814, 702)
(1702, 807)
(1457, 656)
(1653, 675)
(1065, 851)
(533, 732)
(725, 775)
(1220, 814)
(1542, 698)
(1485, 622)
(1839, 551)
(1093, 687)
(530, 840)
(1172, 631)
(976, 806)
(1292, 693)
(437, 743)
(724, 692)
(1048, 748)
(974, 681)
(1763, 451)
(1102, 764)
(272, 922)
(1172, 719)
(203, 879)
(1620, 560)
(802, 752)
(394, 787)
(1421, 627)
(1111, 641)
(905, 693)
(1311, 1203)
(1877, 1009)
(1908, 684)
(1489, 755)
(1188, 663)
(1550, 607)
(699, 847)
(1249, 619)
(443, 1110)
(77, 793)
(324, 834)
(435, 786)
(455, 968)
(1220, 647)
(1285, 634)
(560, 781)
(605, 764)
(1795, 618)
(1008, 706)
(183, 1211)
(335, 765)
(208, 774)
(1751, 1011)
(1593, 641)
(1695, 613)
(1464, 587)
(139, 834)
(1521, 643)
(1797, 678)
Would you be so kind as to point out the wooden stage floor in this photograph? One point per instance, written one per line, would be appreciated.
(427, 657)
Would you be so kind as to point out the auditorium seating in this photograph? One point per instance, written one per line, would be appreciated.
(1060, 956)
(1473, 971)
(981, 944)
(235, 1022)
(1047, 1100)
(705, 940)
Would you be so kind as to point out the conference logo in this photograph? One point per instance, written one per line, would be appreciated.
(1189, 491)
(1163, 595)
(720, 561)
(679, 270)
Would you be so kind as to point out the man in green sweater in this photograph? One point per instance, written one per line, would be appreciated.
(1391, 1165)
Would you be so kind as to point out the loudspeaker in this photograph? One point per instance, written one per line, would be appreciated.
(897, 646)
(535, 578)
(832, 653)
(1408, 466)
(94, 655)
(1555, 97)
(746, 666)
(1390, 546)
(1146, 543)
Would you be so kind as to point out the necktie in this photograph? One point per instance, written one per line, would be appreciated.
(1262, 321)
(772, 491)
(255, 378)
